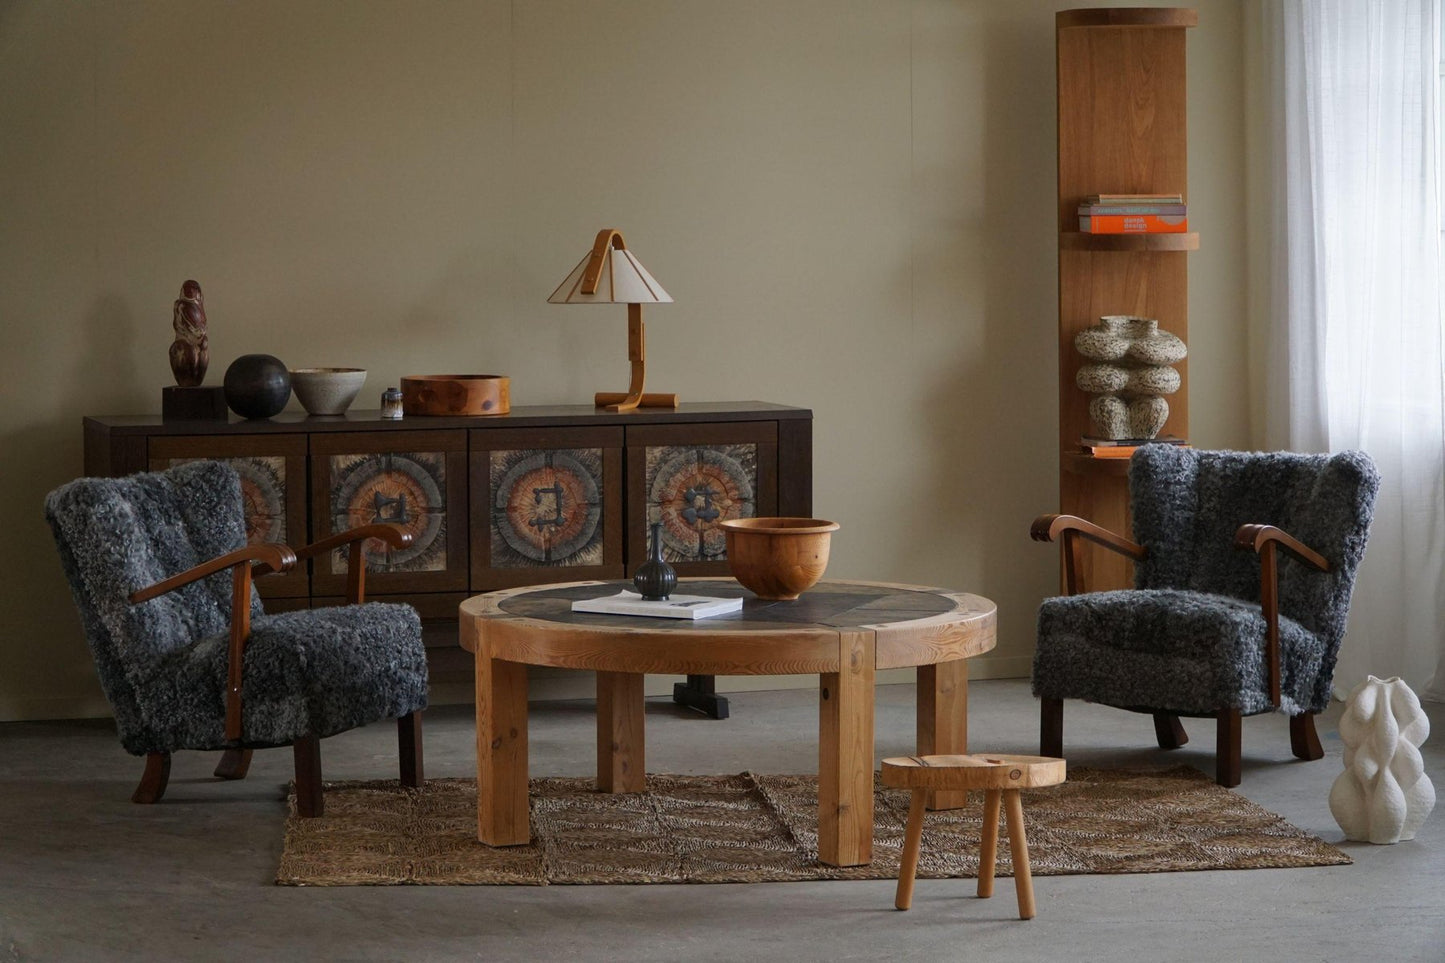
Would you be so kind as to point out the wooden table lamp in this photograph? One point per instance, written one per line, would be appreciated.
(609, 274)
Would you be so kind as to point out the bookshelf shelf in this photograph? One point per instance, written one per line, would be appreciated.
(1121, 116)
(1083, 463)
(1080, 241)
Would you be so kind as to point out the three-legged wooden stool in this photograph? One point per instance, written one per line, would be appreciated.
(1000, 777)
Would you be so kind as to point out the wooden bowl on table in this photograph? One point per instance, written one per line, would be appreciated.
(778, 558)
(456, 394)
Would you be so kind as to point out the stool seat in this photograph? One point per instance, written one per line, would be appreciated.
(1000, 776)
(975, 771)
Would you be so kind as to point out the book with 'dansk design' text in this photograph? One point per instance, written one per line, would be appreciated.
(672, 607)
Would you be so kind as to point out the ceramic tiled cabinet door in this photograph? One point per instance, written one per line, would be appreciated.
(272, 469)
(692, 478)
(417, 480)
(546, 505)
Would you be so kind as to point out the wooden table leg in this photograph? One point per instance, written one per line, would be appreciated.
(502, 818)
(845, 754)
(621, 740)
(943, 719)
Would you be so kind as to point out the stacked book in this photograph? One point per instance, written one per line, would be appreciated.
(1125, 447)
(673, 607)
(1133, 214)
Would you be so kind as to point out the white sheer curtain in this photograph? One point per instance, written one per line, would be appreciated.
(1355, 349)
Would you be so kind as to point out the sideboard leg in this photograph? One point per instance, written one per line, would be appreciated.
(700, 692)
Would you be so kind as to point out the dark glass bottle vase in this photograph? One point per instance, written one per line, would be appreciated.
(655, 579)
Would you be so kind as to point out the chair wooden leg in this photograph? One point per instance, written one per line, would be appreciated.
(1169, 730)
(234, 764)
(1051, 727)
(307, 750)
(1304, 742)
(1018, 846)
(988, 847)
(153, 781)
(408, 741)
(912, 841)
(1227, 750)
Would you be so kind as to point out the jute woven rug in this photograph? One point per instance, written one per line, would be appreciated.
(752, 828)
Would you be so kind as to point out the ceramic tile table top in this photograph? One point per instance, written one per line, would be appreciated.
(843, 631)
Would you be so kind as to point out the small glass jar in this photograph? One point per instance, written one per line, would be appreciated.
(391, 403)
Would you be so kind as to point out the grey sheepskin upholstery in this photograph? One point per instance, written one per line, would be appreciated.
(162, 663)
(1189, 638)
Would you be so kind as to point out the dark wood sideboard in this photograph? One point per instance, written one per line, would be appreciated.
(542, 494)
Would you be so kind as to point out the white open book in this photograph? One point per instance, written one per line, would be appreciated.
(673, 607)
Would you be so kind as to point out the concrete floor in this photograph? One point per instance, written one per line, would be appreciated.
(86, 875)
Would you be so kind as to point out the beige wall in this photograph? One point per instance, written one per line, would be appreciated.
(852, 203)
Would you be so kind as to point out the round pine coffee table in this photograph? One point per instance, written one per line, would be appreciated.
(843, 631)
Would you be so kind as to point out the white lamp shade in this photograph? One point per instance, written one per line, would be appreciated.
(623, 280)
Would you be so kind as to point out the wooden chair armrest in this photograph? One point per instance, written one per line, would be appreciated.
(393, 535)
(1049, 528)
(268, 557)
(356, 538)
(1265, 539)
(1067, 530)
(1256, 537)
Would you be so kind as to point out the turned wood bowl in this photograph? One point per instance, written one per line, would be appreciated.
(778, 558)
(456, 394)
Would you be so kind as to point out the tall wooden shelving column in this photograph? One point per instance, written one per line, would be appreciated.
(1121, 94)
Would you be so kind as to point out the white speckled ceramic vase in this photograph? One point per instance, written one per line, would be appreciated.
(1130, 370)
(1383, 795)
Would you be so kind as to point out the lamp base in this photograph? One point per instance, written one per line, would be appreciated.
(618, 400)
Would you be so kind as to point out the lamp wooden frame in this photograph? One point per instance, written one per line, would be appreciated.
(634, 397)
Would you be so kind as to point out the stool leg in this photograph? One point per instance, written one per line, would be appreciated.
(1019, 849)
(912, 840)
(988, 850)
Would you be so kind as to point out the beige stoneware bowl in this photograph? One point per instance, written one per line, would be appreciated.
(327, 391)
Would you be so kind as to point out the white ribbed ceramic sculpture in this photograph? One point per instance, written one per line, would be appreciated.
(1383, 795)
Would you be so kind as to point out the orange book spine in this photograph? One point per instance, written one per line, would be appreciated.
(1134, 224)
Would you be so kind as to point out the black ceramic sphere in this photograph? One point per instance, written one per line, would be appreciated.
(655, 579)
(257, 386)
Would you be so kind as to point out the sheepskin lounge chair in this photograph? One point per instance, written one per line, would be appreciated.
(1243, 563)
(162, 576)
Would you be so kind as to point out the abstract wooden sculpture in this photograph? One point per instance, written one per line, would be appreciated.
(190, 352)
